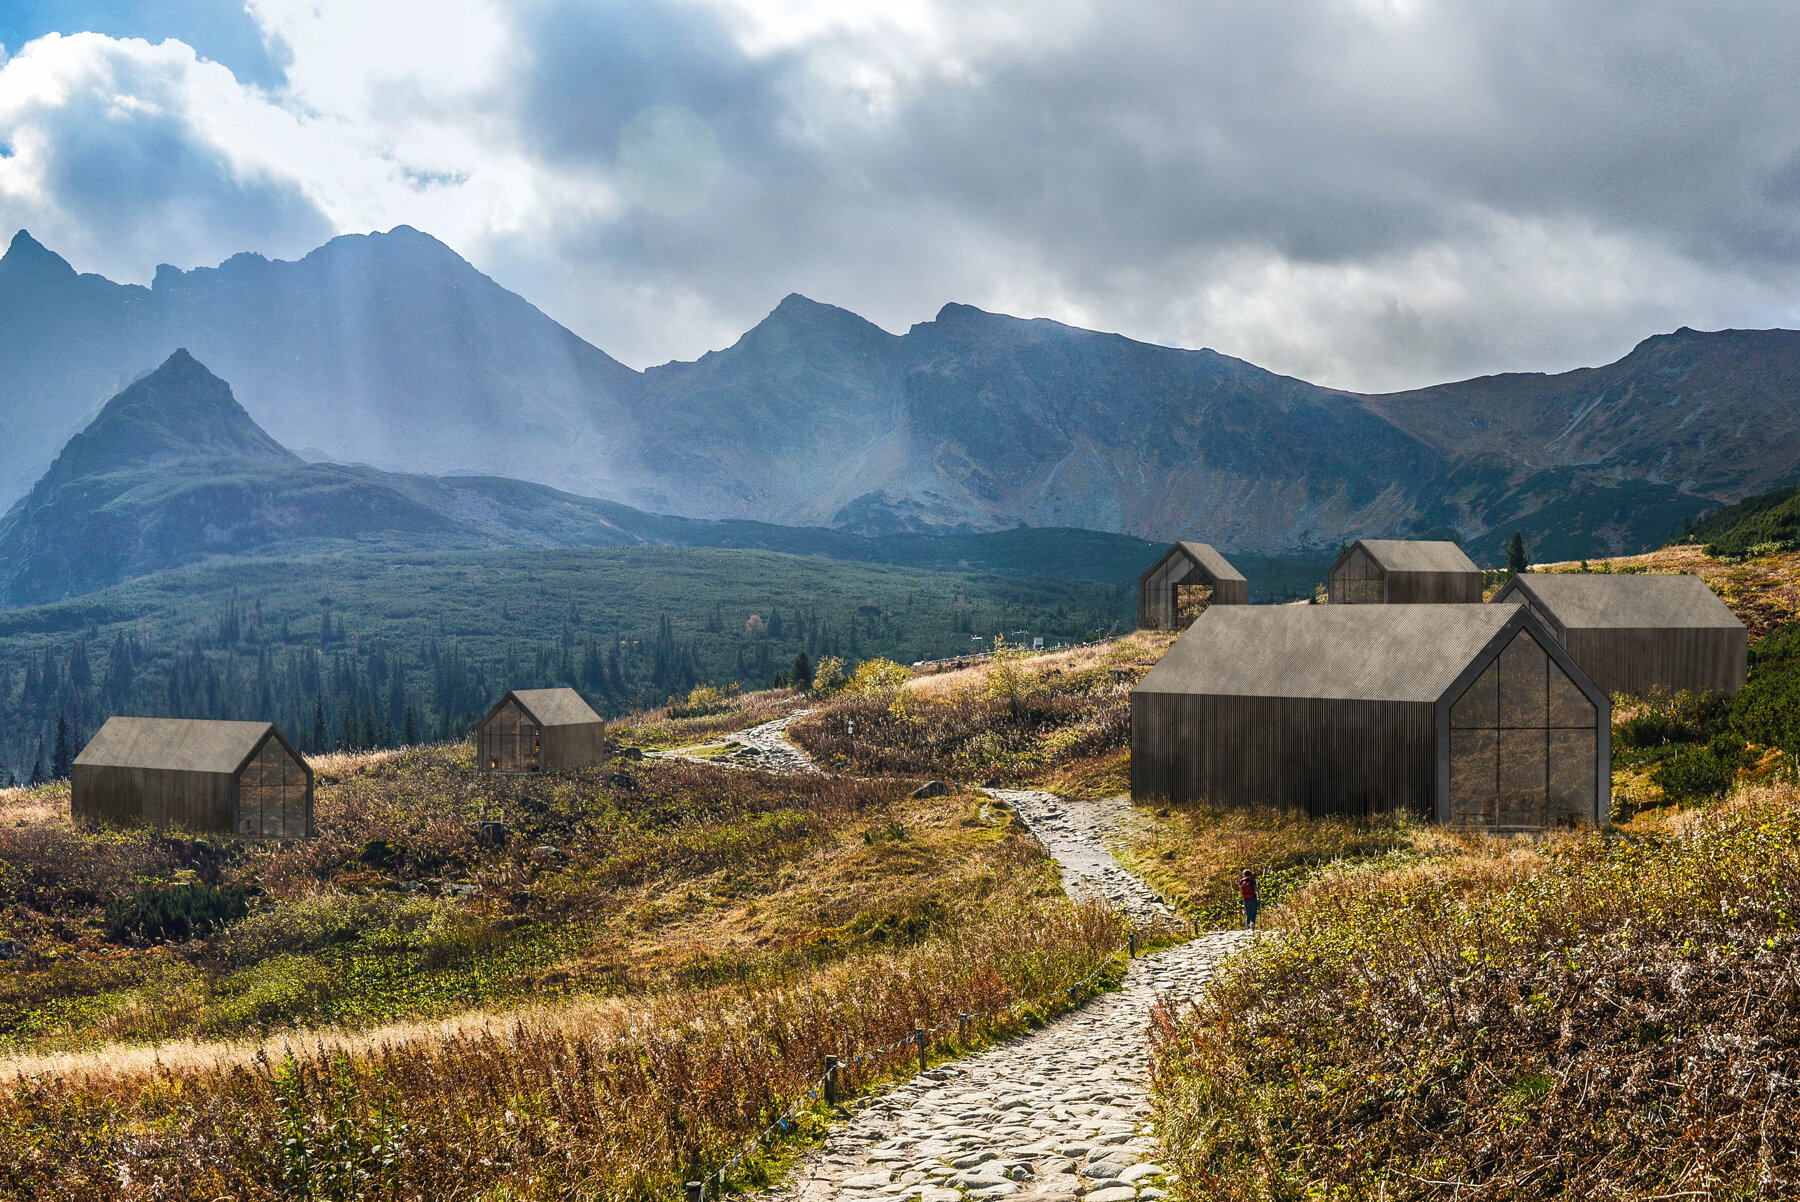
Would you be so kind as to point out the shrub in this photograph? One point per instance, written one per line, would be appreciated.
(703, 701)
(177, 912)
(879, 677)
(828, 677)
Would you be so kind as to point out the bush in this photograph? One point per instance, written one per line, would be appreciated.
(703, 701)
(879, 677)
(828, 677)
(177, 912)
(1702, 773)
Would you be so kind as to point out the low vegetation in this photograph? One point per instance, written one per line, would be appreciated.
(1582, 1017)
(1016, 718)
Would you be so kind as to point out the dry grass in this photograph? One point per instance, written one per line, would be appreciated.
(1580, 1016)
(654, 728)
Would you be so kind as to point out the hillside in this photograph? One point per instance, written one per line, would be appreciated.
(391, 350)
(1768, 522)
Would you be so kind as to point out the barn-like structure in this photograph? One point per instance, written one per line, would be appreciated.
(230, 777)
(1188, 579)
(1385, 571)
(541, 730)
(1634, 633)
(1469, 714)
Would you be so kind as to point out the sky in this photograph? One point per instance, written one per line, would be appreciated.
(1371, 194)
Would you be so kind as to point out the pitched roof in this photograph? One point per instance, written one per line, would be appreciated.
(1407, 555)
(555, 707)
(175, 744)
(1204, 554)
(1616, 600)
(1348, 652)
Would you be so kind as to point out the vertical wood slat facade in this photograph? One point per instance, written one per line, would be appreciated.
(1634, 633)
(541, 730)
(240, 778)
(1183, 565)
(1400, 572)
(1266, 730)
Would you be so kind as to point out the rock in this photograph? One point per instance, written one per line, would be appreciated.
(495, 833)
(1117, 1193)
(622, 779)
(931, 788)
(631, 753)
(868, 1180)
(994, 1191)
(750, 751)
(940, 1195)
(545, 851)
(12, 949)
(971, 1160)
(1138, 1172)
(1102, 1170)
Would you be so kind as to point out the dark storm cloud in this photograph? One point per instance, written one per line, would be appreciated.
(1160, 140)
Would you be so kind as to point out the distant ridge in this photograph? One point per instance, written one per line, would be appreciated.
(390, 349)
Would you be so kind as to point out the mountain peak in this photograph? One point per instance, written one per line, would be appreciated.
(26, 256)
(180, 410)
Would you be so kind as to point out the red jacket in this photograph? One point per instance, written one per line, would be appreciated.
(1246, 889)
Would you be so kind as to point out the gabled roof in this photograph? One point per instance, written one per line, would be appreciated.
(1215, 564)
(1407, 555)
(175, 744)
(1617, 600)
(552, 707)
(1345, 652)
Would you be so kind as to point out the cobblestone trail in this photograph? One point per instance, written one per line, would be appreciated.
(773, 751)
(1059, 1114)
(1073, 833)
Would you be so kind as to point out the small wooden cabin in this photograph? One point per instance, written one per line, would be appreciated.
(230, 777)
(1386, 571)
(541, 730)
(1472, 715)
(1187, 580)
(1634, 633)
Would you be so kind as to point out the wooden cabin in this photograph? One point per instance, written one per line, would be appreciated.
(1635, 633)
(1472, 715)
(541, 730)
(1187, 580)
(1385, 571)
(240, 778)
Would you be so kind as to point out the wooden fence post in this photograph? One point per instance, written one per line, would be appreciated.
(831, 1081)
(962, 1028)
(696, 1191)
(919, 1038)
(1131, 944)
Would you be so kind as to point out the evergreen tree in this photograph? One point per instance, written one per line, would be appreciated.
(411, 734)
(62, 757)
(38, 773)
(1515, 554)
(802, 671)
(318, 723)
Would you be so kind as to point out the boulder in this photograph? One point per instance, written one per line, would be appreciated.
(931, 788)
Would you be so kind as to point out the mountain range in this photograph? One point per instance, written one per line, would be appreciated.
(392, 351)
(174, 471)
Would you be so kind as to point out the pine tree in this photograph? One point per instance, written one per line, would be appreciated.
(802, 671)
(62, 758)
(38, 773)
(1515, 554)
(411, 734)
(318, 723)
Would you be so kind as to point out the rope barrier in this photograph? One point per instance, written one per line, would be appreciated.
(696, 1190)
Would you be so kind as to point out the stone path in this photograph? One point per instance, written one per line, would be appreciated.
(1073, 832)
(1059, 1114)
(763, 746)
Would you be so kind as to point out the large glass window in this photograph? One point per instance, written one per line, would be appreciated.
(1357, 581)
(1522, 745)
(510, 741)
(272, 795)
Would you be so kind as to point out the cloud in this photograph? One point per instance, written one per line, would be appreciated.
(1371, 193)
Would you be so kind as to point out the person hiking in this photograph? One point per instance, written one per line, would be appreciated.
(1247, 891)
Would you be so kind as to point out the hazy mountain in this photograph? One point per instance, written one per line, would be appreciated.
(173, 471)
(389, 349)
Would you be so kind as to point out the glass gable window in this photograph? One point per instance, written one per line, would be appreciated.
(510, 741)
(1522, 745)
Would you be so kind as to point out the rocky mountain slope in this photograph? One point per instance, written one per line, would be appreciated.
(389, 349)
(173, 470)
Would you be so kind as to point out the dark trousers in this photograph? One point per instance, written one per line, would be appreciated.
(1250, 907)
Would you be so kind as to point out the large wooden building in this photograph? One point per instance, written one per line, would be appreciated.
(1187, 580)
(1384, 571)
(541, 730)
(1634, 633)
(237, 777)
(1469, 714)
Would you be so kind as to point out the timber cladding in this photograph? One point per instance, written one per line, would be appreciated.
(1186, 577)
(1380, 571)
(541, 730)
(1470, 715)
(240, 778)
(1634, 633)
